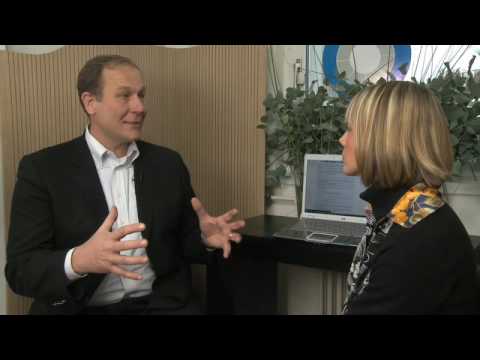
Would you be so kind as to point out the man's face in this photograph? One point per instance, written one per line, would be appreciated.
(117, 116)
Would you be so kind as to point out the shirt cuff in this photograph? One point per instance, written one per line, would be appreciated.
(71, 275)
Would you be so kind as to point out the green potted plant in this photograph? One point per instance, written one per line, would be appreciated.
(458, 94)
(300, 123)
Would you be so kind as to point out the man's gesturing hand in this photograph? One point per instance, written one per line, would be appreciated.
(218, 231)
(101, 253)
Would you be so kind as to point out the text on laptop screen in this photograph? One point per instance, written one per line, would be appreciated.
(329, 191)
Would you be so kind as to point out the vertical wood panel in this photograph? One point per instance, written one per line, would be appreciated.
(203, 102)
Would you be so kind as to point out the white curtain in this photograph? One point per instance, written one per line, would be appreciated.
(428, 60)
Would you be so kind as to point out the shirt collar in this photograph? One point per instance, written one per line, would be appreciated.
(100, 153)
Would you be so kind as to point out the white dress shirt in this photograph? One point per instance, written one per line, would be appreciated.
(116, 177)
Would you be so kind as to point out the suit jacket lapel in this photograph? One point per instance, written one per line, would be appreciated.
(87, 180)
(143, 184)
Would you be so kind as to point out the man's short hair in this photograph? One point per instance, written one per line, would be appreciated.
(90, 76)
(401, 135)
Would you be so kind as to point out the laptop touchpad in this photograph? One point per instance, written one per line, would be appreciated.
(321, 237)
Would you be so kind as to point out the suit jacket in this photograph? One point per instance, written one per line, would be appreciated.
(58, 203)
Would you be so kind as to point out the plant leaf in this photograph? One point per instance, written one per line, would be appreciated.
(280, 171)
(474, 88)
(457, 168)
(454, 114)
(468, 156)
(475, 124)
(454, 139)
(470, 63)
(471, 131)
(461, 99)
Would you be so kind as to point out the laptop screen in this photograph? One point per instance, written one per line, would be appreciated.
(329, 191)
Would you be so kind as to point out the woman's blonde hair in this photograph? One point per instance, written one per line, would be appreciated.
(401, 135)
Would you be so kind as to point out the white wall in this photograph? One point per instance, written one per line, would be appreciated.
(284, 58)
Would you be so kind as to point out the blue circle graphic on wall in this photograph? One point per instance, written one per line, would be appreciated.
(365, 62)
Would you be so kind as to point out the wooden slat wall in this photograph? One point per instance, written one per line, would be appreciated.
(204, 102)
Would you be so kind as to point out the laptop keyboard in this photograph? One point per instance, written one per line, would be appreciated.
(326, 226)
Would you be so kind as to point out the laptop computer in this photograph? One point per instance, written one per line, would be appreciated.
(332, 211)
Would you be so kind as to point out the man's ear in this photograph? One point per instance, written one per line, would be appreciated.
(89, 102)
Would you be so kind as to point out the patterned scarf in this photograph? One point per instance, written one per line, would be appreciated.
(415, 205)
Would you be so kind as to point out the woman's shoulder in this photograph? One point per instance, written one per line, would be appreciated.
(422, 216)
(441, 234)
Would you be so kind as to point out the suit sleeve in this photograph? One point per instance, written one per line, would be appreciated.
(193, 248)
(35, 267)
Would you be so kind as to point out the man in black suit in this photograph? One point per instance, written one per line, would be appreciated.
(107, 223)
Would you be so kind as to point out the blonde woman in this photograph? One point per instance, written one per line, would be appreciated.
(416, 256)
